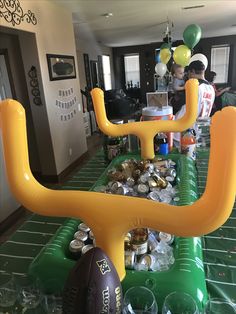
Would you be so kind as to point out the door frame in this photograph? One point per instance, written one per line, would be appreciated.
(4, 52)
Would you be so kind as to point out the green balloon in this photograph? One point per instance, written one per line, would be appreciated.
(165, 45)
(192, 34)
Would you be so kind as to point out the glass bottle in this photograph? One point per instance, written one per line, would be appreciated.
(139, 240)
(113, 146)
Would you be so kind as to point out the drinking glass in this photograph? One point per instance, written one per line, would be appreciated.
(179, 303)
(8, 292)
(29, 295)
(52, 304)
(219, 306)
(139, 300)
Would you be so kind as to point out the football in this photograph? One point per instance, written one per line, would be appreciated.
(93, 286)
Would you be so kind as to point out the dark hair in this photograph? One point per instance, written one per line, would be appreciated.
(197, 66)
(210, 77)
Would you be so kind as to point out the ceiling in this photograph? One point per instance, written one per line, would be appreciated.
(137, 22)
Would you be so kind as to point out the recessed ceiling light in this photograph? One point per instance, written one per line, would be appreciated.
(107, 15)
(193, 7)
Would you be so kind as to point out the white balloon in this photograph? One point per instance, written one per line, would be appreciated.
(199, 57)
(160, 69)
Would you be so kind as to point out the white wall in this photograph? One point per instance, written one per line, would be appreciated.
(86, 43)
(54, 35)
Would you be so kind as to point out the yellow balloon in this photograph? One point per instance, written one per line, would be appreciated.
(182, 55)
(165, 55)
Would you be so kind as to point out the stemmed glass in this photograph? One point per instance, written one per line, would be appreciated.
(219, 306)
(8, 292)
(179, 303)
(139, 300)
(29, 295)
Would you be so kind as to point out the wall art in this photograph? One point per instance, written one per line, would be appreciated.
(13, 13)
(61, 67)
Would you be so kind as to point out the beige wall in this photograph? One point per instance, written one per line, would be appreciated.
(90, 46)
(54, 35)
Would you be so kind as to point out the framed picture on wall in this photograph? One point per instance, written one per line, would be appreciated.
(61, 67)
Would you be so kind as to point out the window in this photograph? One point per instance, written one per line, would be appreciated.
(106, 71)
(220, 62)
(132, 73)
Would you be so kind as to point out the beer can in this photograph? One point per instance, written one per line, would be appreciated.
(91, 235)
(154, 196)
(166, 237)
(86, 248)
(142, 188)
(82, 226)
(147, 259)
(129, 259)
(75, 248)
(81, 235)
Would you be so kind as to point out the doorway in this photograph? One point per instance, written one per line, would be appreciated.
(6, 88)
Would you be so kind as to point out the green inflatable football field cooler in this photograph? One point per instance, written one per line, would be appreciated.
(54, 262)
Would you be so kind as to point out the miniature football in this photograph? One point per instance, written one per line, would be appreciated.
(93, 286)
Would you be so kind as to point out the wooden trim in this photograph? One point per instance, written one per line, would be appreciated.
(11, 219)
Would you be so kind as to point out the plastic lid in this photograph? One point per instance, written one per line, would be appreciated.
(156, 111)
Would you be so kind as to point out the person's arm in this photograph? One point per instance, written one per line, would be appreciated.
(177, 85)
(219, 92)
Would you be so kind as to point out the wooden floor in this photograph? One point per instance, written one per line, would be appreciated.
(14, 221)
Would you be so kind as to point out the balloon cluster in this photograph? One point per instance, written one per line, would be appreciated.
(182, 54)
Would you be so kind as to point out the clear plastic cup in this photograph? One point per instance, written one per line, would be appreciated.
(179, 303)
(219, 306)
(139, 300)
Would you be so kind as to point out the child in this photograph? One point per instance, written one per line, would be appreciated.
(178, 78)
(178, 100)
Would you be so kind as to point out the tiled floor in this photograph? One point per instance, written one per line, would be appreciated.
(94, 143)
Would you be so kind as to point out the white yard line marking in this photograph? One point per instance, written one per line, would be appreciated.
(35, 232)
(16, 256)
(216, 264)
(220, 282)
(44, 223)
(221, 251)
(220, 238)
(25, 243)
